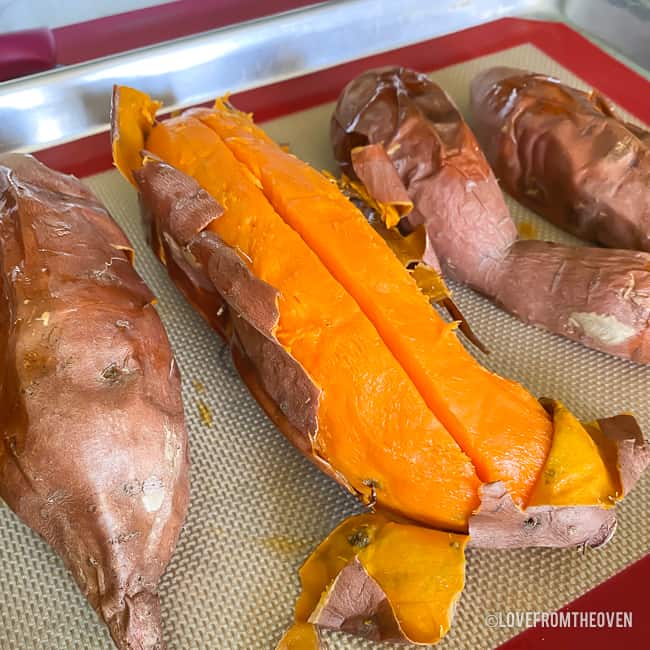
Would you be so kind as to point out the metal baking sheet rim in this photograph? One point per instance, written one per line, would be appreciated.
(68, 103)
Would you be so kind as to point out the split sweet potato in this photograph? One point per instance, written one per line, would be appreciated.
(330, 332)
(93, 446)
(565, 154)
(396, 133)
(505, 432)
(354, 363)
(339, 394)
(376, 428)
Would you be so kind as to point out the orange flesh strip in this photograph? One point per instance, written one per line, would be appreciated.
(373, 424)
(130, 139)
(300, 636)
(575, 472)
(500, 426)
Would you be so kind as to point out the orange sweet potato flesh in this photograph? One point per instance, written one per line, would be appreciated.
(374, 428)
(500, 426)
(298, 340)
(301, 636)
(384, 580)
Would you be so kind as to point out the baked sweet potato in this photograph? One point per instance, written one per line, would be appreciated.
(337, 343)
(327, 326)
(395, 134)
(506, 433)
(93, 446)
(301, 343)
(566, 155)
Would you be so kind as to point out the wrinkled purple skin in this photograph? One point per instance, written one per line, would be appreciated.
(93, 446)
(564, 154)
(598, 297)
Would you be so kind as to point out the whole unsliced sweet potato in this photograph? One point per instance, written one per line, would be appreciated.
(565, 154)
(397, 134)
(334, 338)
(93, 447)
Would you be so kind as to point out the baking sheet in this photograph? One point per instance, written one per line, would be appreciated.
(258, 507)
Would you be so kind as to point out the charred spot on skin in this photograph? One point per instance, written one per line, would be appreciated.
(111, 373)
(531, 524)
(123, 538)
(132, 488)
(114, 373)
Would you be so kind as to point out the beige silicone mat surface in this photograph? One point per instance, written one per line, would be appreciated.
(258, 507)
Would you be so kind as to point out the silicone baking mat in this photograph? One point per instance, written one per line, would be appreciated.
(258, 508)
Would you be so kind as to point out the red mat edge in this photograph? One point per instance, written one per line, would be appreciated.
(623, 592)
(87, 156)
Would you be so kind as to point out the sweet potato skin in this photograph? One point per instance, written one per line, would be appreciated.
(212, 275)
(564, 154)
(438, 161)
(93, 446)
(600, 298)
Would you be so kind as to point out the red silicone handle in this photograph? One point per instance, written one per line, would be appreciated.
(26, 52)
